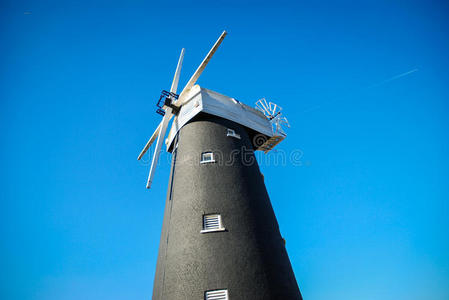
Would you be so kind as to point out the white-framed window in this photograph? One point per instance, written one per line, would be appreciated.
(207, 157)
(211, 223)
(231, 133)
(216, 295)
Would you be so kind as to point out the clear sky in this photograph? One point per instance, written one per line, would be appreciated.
(364, 85)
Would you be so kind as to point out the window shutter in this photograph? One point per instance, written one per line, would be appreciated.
(217, 295)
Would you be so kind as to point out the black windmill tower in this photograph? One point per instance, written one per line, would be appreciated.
(220, 238)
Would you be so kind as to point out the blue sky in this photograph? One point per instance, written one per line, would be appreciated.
(364, 85)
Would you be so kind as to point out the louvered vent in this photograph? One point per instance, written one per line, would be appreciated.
(217, 295)
(212, 223)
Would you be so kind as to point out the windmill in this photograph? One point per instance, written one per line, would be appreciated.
(220, 238)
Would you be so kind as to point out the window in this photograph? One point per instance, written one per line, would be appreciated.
(207, 157)
(216, 295)
(231, 133)
(212, 223)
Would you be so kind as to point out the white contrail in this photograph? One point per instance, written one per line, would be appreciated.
(367, 88)
(394, 78)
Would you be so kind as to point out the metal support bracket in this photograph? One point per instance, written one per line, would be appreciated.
(166, 99)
